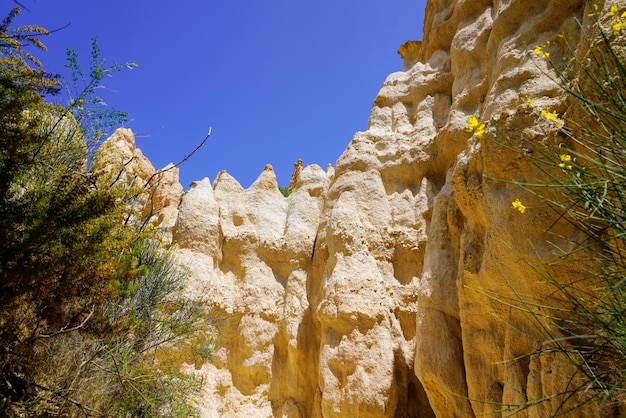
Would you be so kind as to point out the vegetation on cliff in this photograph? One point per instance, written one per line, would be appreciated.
(580, 176)
(90, 320)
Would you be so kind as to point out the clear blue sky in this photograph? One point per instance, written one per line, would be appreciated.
(277, 80)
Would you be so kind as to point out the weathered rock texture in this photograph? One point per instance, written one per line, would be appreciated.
(362, 293)
(158, 191)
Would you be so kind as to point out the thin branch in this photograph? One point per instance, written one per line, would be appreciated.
(157, 173)
(64, 329)
(185, 158)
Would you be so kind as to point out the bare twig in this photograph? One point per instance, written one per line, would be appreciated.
(149, 185)
(65, 329)
(121, 171)
(185, 158)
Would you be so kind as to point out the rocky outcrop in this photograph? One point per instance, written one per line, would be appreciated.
(158, 191)
(365, 292)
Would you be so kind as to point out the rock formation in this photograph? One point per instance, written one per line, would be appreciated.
(128, 167)
(363, 294)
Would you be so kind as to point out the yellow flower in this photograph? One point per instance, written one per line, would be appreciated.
(617, 27)
(551, 116)
(613, 10)
(565, 159)
(595, 11)
(480, 131)
(474, 126)
(472, 123)
(623, 15)
(527, 100)
(540, 51)
(518, 205)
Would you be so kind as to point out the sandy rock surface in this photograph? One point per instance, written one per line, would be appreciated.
(362, 294)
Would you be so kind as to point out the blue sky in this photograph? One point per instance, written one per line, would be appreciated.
(277, 80)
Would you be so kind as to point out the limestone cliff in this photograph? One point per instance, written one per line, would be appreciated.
(356, 295)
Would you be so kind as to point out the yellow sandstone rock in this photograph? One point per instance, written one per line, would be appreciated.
(362, 294)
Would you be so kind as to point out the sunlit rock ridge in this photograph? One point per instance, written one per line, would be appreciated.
(362, 294)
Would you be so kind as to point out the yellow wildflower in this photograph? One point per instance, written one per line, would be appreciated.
(623, 15)
(527, 100)
(480, 131)
(472, 123)
(595, 11)
(474, 126)
(565, 159)
(613, 10)
(518, 205)
(617, 27)
(551, 116)
(540, 51)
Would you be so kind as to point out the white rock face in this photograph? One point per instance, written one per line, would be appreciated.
(251, 253)
(362, 294)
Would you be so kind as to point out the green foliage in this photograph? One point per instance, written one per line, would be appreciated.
(286, 191)
(89, 109)
(50, 213)
(15, 59)
(121, 365)
(87, 299)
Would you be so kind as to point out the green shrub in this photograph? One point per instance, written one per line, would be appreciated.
(122, 364)
(87, 298)
(286, 191)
